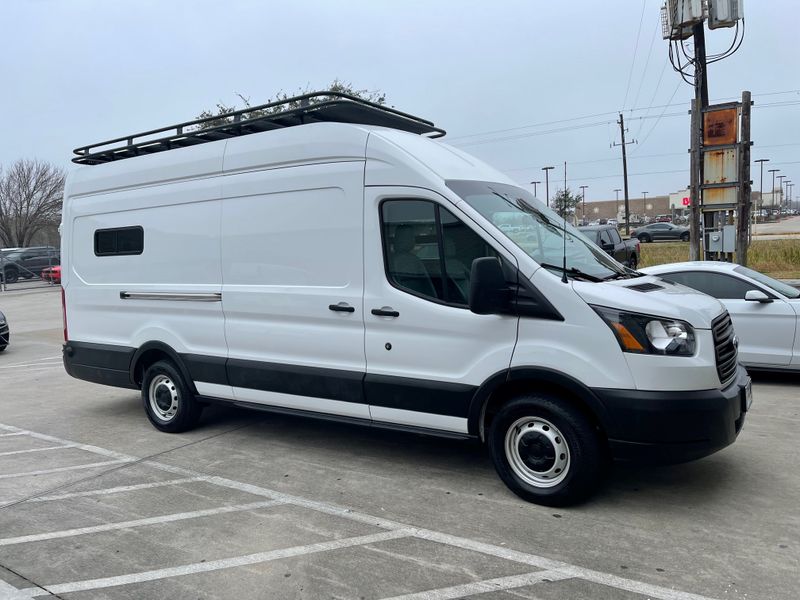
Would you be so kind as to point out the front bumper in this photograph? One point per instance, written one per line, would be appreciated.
(671, 427)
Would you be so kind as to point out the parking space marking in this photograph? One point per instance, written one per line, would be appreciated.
(34, 361)
(215, 565)
(13, 433)
(170, 518)
(485, 586)
(107, 463)
(116, 490)
(574, 571)
(13, 452)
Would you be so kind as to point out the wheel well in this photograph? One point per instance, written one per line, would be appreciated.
(148, 358)
(512, 389)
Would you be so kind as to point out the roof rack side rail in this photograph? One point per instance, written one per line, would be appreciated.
(327, 106)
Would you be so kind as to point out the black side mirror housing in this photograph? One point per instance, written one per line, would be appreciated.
(609, 247)
(488, 292)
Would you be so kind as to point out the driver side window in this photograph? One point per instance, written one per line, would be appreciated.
(428, 252)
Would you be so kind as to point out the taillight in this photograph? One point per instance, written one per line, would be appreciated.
(64, 314)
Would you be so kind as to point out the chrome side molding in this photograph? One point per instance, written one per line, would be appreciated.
(173, 296)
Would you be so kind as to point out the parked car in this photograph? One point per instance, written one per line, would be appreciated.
(26, 263)
(608, 238)
(663, 219)
(52, 274)
(661, 231)
(5, 335)
(362, 273)
(765, 312)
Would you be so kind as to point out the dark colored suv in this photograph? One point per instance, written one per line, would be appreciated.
(26, 263)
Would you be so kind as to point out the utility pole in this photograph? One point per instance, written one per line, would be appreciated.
(644, 203)
(534, 184)
(699, 104)
(583, 197)
(745, 185)
(547, 183)
(761, 162)
(621, 124)
(780, 202)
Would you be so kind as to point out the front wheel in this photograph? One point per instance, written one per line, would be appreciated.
(12, 275)
(546, 451)
(169, 403)
(645, 239)
(685, 237)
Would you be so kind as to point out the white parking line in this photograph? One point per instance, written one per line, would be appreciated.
(13, 452)
(487, 585)
(214, 565)
(13, 433)
(654, 591)
(195, 514)
(62, 469)
(46, 361)
(116, 490)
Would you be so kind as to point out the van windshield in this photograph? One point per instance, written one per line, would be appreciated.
(538, 231)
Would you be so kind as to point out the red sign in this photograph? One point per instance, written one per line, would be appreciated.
(686, 202)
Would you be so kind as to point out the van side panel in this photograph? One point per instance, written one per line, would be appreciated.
(292, 246)
(107, 295)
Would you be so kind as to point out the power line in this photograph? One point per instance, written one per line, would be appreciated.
(659, 117)
(635, 50)
(647, 62)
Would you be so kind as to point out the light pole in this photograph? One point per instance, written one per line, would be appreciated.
(780, 202)
(772, 189)
(534, 183)
(644, 203)
(616, 205)
(788, 184)
(583, 196)
(547, 183)
(761, 161)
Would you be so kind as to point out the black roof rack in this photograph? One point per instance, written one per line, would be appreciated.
(298, 110)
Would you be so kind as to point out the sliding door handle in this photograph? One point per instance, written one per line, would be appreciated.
(341, 307)
(386, 311)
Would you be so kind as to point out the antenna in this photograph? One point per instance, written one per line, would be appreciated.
(564, 255)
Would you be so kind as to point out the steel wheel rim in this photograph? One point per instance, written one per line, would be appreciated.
(537, 452)
(163, 398)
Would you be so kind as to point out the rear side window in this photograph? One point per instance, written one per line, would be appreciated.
(119, 241)
(723, 287)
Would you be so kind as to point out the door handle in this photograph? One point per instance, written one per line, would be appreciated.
(343, 307)
(385, 312)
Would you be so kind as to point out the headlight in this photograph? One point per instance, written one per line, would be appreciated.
(645, 334)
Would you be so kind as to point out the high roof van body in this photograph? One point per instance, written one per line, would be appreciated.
(375, 276)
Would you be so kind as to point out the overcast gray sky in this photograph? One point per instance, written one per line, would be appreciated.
(80, 71)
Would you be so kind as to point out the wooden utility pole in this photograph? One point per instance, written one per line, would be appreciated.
(621, 123)
(699, 104)
(745, 195)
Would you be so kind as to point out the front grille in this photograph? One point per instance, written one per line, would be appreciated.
(724, 347)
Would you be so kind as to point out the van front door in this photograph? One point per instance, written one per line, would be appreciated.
(426, 352)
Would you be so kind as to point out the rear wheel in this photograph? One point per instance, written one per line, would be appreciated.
(633, 262)
(645, 238)
(546, 451)
(168, 401)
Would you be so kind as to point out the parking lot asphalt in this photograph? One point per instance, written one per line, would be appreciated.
(95, 503)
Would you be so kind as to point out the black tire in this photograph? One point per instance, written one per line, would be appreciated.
(540, 423)
(2, 348)
(685, 237)
(173, 407)
(645, 238)
(633, 262)
(12, 275)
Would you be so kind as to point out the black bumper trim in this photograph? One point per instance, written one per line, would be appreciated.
(99, 363)
(655, 426)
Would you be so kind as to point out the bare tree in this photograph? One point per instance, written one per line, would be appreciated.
(31, 193)
(337, 85)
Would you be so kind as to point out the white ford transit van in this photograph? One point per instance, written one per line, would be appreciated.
(332, 260)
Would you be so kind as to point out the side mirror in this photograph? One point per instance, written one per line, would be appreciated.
(757, 296)
(608, 247)
(488, 292)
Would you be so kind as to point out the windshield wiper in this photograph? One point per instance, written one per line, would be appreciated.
(572, 271)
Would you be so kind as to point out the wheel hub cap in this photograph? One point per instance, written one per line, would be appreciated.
(537, 452)
(163, 397)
